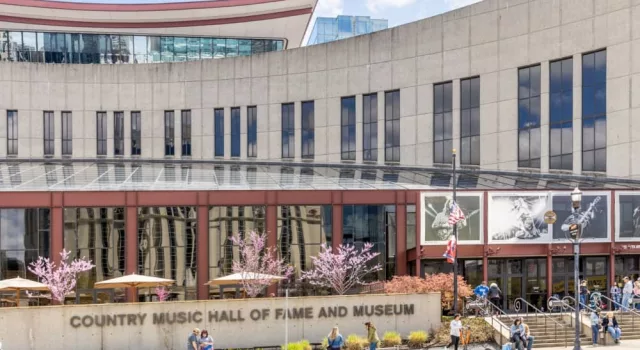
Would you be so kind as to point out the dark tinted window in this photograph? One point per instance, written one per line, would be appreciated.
(561, 114)
(594, 108)
(136, 134)
(308, 130)
(169, 133)
(442, 123)
(101, 133)
(218, 132)
(470, 121)
(49, 133)
(370, 128)
(529, 117)
(392, 126)
(235, 132)
(288, 131)
(118, 133)
(252, 132)
(185, 132)
(348, 128)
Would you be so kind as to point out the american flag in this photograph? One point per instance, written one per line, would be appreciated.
(450, 253)
(455, 214)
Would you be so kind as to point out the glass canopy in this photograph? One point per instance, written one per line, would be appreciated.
(128, 176)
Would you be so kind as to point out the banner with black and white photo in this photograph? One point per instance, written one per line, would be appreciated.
(435, 210)
(518, 217)
(593, 215)
(627, 216)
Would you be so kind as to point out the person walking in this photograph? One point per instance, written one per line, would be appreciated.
(610, 324)
(495, 294)
(206, 342)
(481, 292)
(615, 296)
(455, 327)
(517, 332)
(335, 341)
(193, 341)
(372, 336)
(527, 334)
(627, 293)
(595, 326)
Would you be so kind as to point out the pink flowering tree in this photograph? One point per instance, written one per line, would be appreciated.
(61, 279)
(258, 263)
(342, 270)
(162, 293)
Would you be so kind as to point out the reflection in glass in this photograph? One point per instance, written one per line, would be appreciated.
(308, 130)
(594, 120)
(374, 224)
(99, 235)
(167, 247)
(443, 123)
(561, 115)
(288, 130)
(370, 128)
(392, 126)
(224, 223)
(348, 128)
(529, 117)
(629, 209)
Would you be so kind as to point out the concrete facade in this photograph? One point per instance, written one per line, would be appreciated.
(490, 39)
(75, 326)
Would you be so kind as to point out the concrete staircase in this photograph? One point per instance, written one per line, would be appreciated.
(630, 327)
(548, 333)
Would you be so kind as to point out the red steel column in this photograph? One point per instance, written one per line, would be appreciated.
(336, 222)
(549, 276)
(202, 272)
(401, 239)
(612, 254)
(57, 233)
(418, 233)
(272, 237)
(485, 236)
(131, 246)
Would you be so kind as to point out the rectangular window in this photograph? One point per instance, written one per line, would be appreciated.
(218, 132)
(252, 132)
(308, 130)
(12, 132)
(118, 133)
(392, 126)
(67, 134)
(49, 133)
(370, 128)
(169, 133)
(470, 121)
(185, 132)
(288, 130)
(235, 132)
(348, 128)
(101, 133)
(529, 117)
(594, 111)
(136, 134)
(561, 114)
(442, 123)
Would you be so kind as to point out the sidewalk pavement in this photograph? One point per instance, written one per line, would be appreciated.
(624, 345)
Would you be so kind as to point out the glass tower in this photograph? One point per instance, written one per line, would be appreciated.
(328, 29)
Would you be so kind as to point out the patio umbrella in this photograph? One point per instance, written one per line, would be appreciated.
(18, 284)
(134, 281)
(237, 278)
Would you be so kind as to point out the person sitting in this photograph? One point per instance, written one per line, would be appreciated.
(610, 324)
(527, 334)
(517, 333)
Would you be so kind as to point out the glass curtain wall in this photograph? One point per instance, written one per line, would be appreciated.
(99, 235)
(374, 224)
(22, 46)
(302, 230)
(167, 240)
(224, 223)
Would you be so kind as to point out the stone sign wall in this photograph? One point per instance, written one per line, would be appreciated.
(232, 323)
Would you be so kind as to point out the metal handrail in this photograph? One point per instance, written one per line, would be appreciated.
(517, 306)
(573, 300)
(629, 310)
(492, 310)
(564, 306)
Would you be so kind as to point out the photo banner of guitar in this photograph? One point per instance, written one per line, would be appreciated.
(593, 215)
(436, 208)
(518, 218)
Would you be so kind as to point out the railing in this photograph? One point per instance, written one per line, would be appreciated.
(554, 303)
(522, 305)
(571, 299)
(629, 311)
(492, 310)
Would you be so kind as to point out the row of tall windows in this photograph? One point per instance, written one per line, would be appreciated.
(594, 120)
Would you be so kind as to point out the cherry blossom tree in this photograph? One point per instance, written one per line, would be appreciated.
(258, 263)
(162, 293)
(61, 279)
(342, 270)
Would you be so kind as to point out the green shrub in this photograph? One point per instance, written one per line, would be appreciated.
(391, 339)
(354, 342)
(301, 345)
(417, 339)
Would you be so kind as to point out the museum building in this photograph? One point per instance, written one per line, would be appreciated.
(151, 167)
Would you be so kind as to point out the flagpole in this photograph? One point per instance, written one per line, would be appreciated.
(455, 236)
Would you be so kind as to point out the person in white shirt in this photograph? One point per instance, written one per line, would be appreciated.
(456, 327)
(627, 293)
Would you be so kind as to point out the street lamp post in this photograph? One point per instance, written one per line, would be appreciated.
(575, 233)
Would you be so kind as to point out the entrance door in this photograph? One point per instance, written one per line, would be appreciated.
(536, 282)
(508, 275)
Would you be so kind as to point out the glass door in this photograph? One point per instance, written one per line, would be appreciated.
(508, 275)
(536, 282)
(595, 273)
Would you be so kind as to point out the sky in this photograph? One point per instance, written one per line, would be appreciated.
(396, 11)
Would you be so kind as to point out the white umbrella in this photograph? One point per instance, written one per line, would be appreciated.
(134, 281)
(237, 278)
(17, 284)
